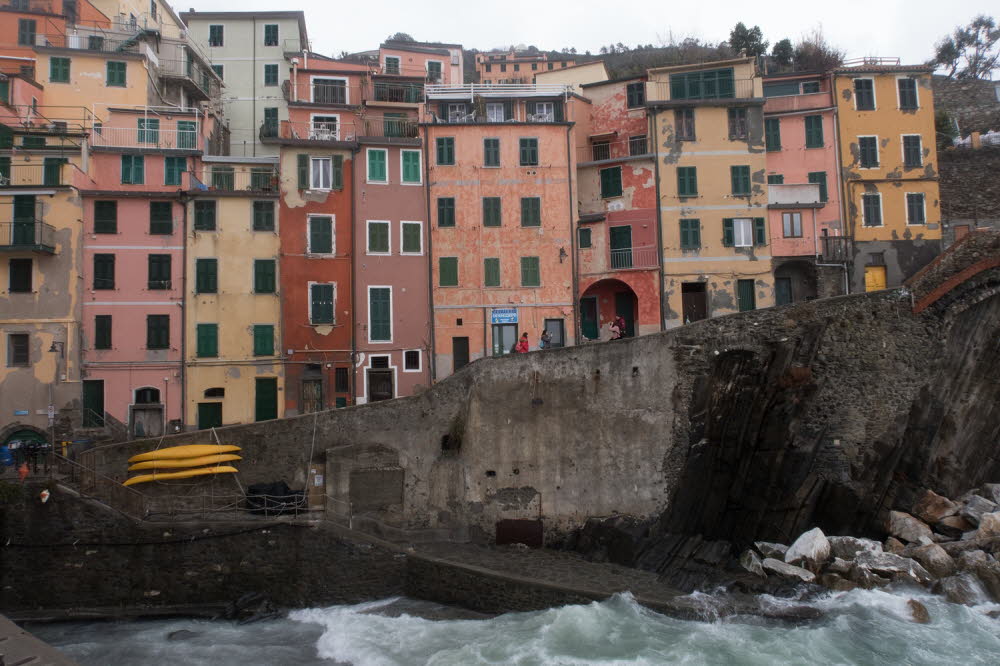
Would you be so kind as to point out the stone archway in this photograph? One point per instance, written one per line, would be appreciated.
(795, 281)
(601, 302)
(20, 431)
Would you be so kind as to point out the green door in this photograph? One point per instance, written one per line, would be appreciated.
(267, 399)
(745, 295)
(621, 247)
(210, 415)
(93, 403)
(270, 127)
(52, 171)
(588, 317)
(24, 219)
(782, 290)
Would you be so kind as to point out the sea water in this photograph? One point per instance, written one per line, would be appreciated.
(858, 627)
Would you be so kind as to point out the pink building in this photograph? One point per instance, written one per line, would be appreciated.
(804, 216)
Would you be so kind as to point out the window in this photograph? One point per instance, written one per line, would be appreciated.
(611, 182)
(320, 234)
(263, 216)
(378, 237)
(18, 354)
(446, 211)
(264, 280)
(315, 173)
(270, 126)
(491, 272)
(157, 331)
(544, 112)
(602, 150)
(907, 93)
(529, 152)
(740, 177)
(517, 67)
(58, 70)
(737, 123)
(531, 211)
(868, 151)
(208, 340)
(814, 131)
(104, 271)
(772, 133)
(448, 272)
(26, 29)
(5, 97)
(584, 235)
(392, 65)
(161, 220)
(270, 75)
(744, 232)
(871, 210)
(20, 276)
(775, 179)
(496, 112)
(149, 130)
(456, 113)
(433, 71)
(530, 275)
(411, 360)
(412, 241)
(690, 234)
(215, 35)
(912, 152)
(491, 152)
(379, 314)
(223, 178)
(115, 74)
(102, 332)
(204, 215)
(159, 272)
(864, 94)
(684, 124)
(637, 145)
(270, 34)
(378, 171)
(95, 42)
(173, 167)
(810, 87)
(133, 169)
(635, 94)
(410, 166)
(687, 181)
(263, 340)
(187, 135)
(710, 84)
(915, 212)
(791, 225)
(329, 91)
(206, 276)
(446, 151)
(491, 212)
(105, 217)
(220, 71)
(340, 382)
(819, 178)
(321, 297)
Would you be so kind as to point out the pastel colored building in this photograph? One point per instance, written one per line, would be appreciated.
(574, 76)
(518, 67)
(808, 239)
(888, 156)
(618, 236)
(708, 124)
(501, 171)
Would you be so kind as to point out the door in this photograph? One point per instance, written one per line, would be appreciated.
(625, 306)
(270, 127)
(93, 403)
(694, 301)
(266, 401)
(588, 317)
(783, 290)
(187, 134)
(621, 247)
(380, 385)
(52, 170)
(209, 415)
(557, 332)
(874, 278)
(745, 295)
(504, 338)
(147, 420)
(459, 353)
(24, 219)
(312, 395)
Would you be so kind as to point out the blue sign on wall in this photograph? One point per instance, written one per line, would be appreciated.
(21, 412)
(504, 315)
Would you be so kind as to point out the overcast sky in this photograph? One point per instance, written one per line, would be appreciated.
(903, 28)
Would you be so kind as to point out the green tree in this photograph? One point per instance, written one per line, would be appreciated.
(946, 130)
(814, 54)
(783, 52)
(971, 51)
(749, 41)
(401, 37)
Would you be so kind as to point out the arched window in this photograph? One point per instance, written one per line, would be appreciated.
(147, 396)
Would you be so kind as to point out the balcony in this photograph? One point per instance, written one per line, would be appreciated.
(39, 6)
(96, 42)
(326, 131)
(152, 139)
(634, 258)
(197, 79)
(835, 249)
(255, 181)
(26, 234)
(800, 195)
(397, 93)
(683, 92)
(389, 127)
(601, 149)
(806, 102)
(29, 175)
(470, 91)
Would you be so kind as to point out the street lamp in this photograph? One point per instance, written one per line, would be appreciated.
(60, 347)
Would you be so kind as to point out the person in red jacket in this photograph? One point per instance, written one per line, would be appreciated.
(522, 344)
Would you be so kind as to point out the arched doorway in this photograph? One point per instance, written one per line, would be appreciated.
(599, 305)
(794, 282)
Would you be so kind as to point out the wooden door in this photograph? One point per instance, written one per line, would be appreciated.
(621, 247)
(874, 278)
(147, 420)
(266, 399)
(209, 415)
(93, 403)
(380, 385)
(24, 219)
(745, 295)
(694, 301)
(783, 290)
(459, 353)
(588, 317)
(312, 395)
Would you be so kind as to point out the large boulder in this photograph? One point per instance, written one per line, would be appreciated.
(893, 545)
(975, 507)
(788, 570)
(992, 492)
(905, 527)
(984, 567)
(935, 559)
(960, 589)
(971, 560)
(768, 549)
(847, 548)
(837, 583)
(953, 526)
(918, 612)
(866, 578)
(931, 507)
(839, 566)
(751, 562)
(888, 564)
(989, 525)
(812, 548)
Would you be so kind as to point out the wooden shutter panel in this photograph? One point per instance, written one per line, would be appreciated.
(491, 269)
(559, 112)
(529, 107)
(303, 169)
(508, 110)
(759, 231)
(727, 232)
(338, 172)
(378, 304)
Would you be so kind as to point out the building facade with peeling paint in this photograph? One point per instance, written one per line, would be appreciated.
(708, 128)
(889, 169)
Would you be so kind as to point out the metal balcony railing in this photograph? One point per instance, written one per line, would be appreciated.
(314, 131)
(601, 151)
(28, 234)
(329, 93)
(835, 249)
(256, 180)
(686, 90)
(405, 93)
(387, 126)
(197, 76)
(634, 257)
(24, 175)
(472, 90)
(132, 137)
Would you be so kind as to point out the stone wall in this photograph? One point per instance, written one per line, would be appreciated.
(970, 188)
(973, 104)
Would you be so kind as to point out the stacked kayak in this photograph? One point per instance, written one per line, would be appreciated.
(183, 462)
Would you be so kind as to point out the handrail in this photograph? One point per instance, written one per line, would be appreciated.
(103, 488)
(471, 90)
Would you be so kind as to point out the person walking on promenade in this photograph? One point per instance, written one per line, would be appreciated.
(522, 344)
(545, 341)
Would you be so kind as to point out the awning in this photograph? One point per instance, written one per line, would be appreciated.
(592, 217)
(603, 135)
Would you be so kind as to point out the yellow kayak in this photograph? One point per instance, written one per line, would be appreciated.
(185, 462)
(186, 451)
(184, 474)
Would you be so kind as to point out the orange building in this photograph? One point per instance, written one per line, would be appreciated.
(517, 66)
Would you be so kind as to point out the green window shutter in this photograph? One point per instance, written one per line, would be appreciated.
(115, 74)
(338, 172)
(915, 208)
(491, 152)
(819, 178)
(690, 234)
(263, 340)
(377, 172)
(491, 271)
(104, 271)
(59, 70)
(126, 169)
(814, 131)
(585, 237)
(740, 176)
(728, 235)
(271, 34)
(411, 238)
(158, 271)
(411, 166)
(204, 215)
(380, 314)
(321, 305)
(772, 133)
(869, 151)
(105, 217)
(907, 94)
(264, 276)
(148, 130)
(448, 269)
(263, 216)
(157, 331)
(187, 135)
(491, 212)
(161, 220)
(303, 171)
(530, 275)
(208, 340)
(5, 97)
(759, 231)
(223, 178)
(446, 151)
(775, 179)
(611, 182)
(446, 211)
(173, 167)
(270, 75)
(529, 152)
(687, 181)
(26, 29)
(206, 276)
(102, 332)
(378, 237)
(320, 235)
(531, 211)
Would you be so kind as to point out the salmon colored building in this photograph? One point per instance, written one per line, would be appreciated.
(517, 67)
(501, 172)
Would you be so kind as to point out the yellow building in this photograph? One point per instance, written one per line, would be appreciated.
(708, 124)
(889, 164)
(232, 361)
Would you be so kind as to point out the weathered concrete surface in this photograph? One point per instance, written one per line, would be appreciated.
(17, 646)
